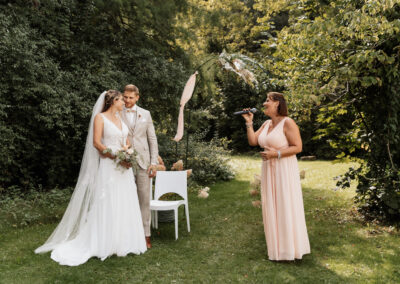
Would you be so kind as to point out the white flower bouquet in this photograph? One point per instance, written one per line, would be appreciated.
(124, 158)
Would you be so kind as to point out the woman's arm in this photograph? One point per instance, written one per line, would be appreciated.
(252, 137)
(292, 134)
(97, 134)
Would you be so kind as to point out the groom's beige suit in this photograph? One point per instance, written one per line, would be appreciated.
(143, 139)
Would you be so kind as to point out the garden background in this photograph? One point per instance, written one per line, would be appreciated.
(337, 62)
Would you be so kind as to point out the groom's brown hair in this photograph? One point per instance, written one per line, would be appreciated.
(131, 88)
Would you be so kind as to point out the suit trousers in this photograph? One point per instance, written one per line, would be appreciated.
(143, 189)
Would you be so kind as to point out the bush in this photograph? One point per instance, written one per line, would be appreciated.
(22, 208)
(208, 160)
(56, 58)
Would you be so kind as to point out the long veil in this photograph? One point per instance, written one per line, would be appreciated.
(79, 205)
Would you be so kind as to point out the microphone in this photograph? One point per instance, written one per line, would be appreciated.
(253, 110)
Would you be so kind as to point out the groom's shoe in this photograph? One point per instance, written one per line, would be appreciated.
(148, 242)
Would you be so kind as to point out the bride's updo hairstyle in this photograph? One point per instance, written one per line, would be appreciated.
(278, 97)
(109, 98)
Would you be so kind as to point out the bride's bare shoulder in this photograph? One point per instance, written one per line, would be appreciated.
(98, 119)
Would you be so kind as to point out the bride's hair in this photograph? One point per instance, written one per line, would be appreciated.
(109, 98)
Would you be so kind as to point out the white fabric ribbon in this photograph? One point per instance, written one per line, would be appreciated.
(186, 95)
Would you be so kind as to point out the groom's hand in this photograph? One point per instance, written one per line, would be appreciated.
(152, 171)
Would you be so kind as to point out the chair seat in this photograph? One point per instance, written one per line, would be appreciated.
(165, 205)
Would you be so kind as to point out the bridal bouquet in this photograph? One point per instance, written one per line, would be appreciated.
(124, 155)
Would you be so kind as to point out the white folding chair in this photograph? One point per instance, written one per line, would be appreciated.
(151, 198)
(174, 182)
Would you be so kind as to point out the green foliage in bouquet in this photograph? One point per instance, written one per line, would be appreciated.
(128, 156)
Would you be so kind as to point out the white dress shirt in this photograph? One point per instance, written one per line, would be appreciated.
(131, 115)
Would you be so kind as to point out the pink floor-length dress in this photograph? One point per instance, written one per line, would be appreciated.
(282, 200)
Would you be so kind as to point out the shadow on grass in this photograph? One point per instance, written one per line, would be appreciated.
(339, 241)
(228, 233)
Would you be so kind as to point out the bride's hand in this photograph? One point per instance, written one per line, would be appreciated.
(107, 154)
(125, 164)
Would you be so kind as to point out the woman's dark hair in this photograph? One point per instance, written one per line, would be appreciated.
(278, 97)
(109, 98)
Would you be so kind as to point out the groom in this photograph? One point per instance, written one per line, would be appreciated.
(143, 139)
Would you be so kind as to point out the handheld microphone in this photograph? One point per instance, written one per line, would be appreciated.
(253, 110)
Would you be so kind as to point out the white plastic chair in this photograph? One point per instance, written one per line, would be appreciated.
(166, 182)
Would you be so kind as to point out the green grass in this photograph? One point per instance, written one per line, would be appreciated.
(227, 242)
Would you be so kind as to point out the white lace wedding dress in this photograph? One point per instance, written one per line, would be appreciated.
(113, 224)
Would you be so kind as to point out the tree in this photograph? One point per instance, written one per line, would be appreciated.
(57, 57)
(344, 55)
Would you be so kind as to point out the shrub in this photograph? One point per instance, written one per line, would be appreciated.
(56, 58)
(22, 208)
(209, 160)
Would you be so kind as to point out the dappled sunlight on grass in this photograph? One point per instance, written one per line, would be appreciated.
(245, 167)
(339, 241)
(320, 175)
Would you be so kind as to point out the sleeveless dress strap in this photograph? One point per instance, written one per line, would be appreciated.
(283, 122)
(262, 127)
(265, 122)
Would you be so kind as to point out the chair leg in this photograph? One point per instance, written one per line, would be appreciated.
(176, 223)
(156, 219)
(151, 219)
(187, 217)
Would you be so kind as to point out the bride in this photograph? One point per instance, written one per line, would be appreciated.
(103, 216)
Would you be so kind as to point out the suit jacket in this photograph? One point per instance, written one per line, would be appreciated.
(143, 137)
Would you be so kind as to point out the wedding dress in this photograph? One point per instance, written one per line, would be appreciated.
(103, 217)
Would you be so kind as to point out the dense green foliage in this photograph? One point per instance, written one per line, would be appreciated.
(343, 56)
(208, 160)
(338, 64)
(336, 61)
(57, 57)
(21, 209)
(217, 27)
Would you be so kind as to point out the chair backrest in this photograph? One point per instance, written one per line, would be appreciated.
(171, 181)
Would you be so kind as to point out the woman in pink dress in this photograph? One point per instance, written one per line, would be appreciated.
(281, 195)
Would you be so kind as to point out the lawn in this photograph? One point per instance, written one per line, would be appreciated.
(227, 244)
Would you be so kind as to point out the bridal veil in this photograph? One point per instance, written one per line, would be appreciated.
(79, 205)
